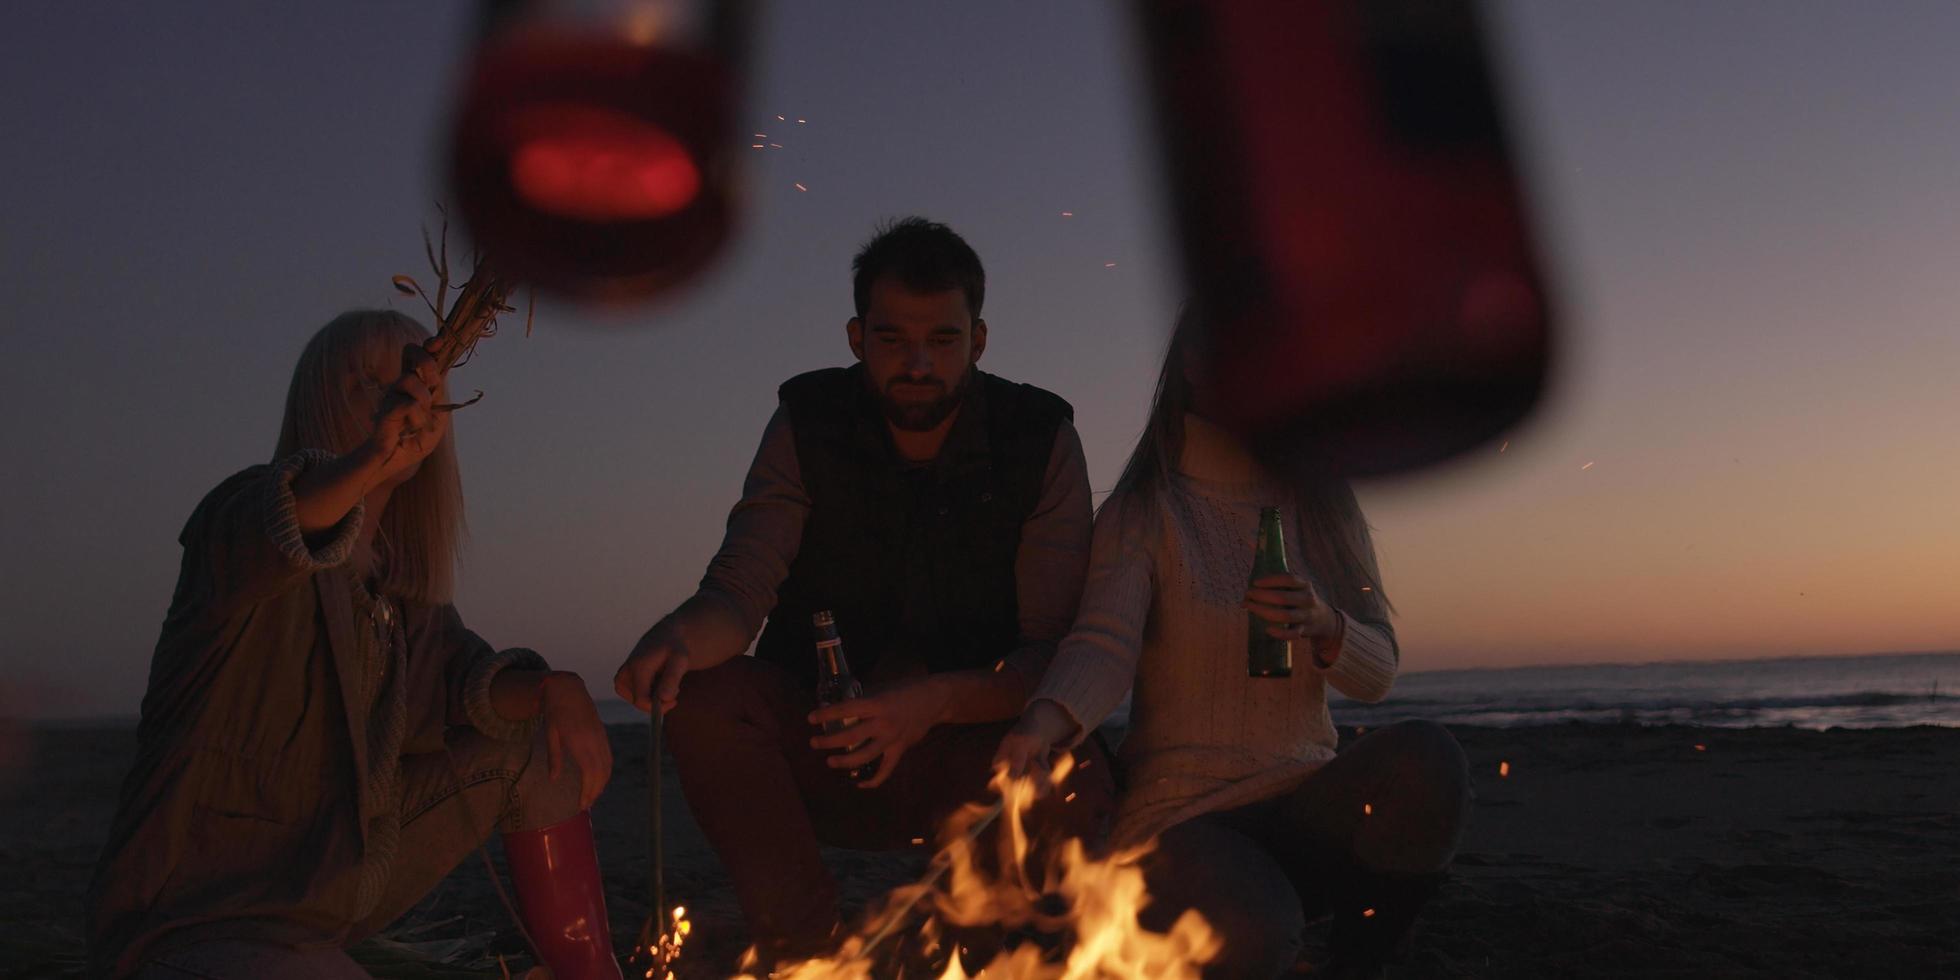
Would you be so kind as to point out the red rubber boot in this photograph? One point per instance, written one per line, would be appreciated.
(555, 871)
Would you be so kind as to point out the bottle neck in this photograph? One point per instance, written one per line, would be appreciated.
(1271, 550)
(830, 657)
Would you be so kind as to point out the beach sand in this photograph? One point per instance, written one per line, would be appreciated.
(1608, 851)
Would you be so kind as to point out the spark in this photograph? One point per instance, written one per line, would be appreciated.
(1368, 809)
(1358, 729)
(777, 145)
(801, 121)
(1069, 798)
(1109, 265)
(1507, 445)
(762, 136)
(1503, 770)
(1068, 214)
(918, 840)
(1699, 747)
(1367, 588)
(1367, 913)
(800, 187)
(756, 145)
(781, 119)
(998, 664)
(1085, 764)
(1588, 466)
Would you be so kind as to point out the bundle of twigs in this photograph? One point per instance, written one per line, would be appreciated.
(472, 316)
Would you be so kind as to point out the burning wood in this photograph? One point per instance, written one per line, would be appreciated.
(1092, 903)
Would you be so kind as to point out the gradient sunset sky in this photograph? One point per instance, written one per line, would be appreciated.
(1751, 211)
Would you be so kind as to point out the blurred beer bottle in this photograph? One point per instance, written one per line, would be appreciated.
(594, 151)
(1351, 222)
(1267, 655)
(835, 684)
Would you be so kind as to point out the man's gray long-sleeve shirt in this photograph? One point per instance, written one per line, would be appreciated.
(765, 530)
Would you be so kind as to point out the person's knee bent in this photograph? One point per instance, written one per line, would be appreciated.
(717, 704)
(1431, 798)
(540, 799)
(1430, 759)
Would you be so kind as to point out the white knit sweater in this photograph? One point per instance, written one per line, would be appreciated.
(1162, 608)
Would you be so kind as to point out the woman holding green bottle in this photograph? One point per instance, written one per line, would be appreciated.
(1230, 760)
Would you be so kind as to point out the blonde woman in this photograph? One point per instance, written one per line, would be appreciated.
(322, 739)
(1259, 822)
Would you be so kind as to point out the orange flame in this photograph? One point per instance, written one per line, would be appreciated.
(1099, 902)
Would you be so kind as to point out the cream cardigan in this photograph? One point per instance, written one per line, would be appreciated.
(1161, 610)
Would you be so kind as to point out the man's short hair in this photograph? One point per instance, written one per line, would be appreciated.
(925, 257)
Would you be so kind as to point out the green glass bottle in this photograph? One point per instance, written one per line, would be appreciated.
(1266, 655)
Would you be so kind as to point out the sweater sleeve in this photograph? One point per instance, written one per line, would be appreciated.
(1366, 660)
(245, 539)
(1097, 662)
(1053, 557)
(472, 666)
(765, 530)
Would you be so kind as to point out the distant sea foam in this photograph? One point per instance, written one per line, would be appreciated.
(1872, 691)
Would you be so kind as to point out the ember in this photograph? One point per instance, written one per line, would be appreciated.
(660, 952)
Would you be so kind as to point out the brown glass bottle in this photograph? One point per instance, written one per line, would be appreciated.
(834, 681)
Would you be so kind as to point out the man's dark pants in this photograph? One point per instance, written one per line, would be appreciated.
(766, 800)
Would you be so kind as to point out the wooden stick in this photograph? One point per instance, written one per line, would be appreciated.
(939, 868)
(656, 843)
(654, 931)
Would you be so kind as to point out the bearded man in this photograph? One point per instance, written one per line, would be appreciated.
(942, 515)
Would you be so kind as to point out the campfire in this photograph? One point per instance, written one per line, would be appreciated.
(1077, 912)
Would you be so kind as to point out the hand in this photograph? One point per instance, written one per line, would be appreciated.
(572, 729)
(1030, 746)
(1291, 605)
(653, 671)
(407, 427)
(888, 724)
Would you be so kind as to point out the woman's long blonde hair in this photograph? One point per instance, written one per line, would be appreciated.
(1339, 548)
(418, 542)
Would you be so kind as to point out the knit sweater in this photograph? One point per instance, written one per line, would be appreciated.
(1162, 612)
(265, 799)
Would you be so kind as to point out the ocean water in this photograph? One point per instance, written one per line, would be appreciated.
(1873, 691)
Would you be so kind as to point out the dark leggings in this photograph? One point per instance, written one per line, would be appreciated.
(1365, 838)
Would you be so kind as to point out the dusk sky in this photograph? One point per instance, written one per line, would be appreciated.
(1750, 210)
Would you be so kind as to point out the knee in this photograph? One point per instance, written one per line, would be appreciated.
(541, 799)
(1429, 761)
(1424, 815)
(717, 704)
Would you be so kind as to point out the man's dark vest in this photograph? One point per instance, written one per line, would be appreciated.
(917, 561)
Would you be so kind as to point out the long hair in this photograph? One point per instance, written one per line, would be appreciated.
(1339, 548)
(420, 534)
